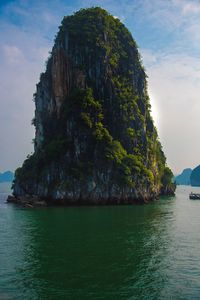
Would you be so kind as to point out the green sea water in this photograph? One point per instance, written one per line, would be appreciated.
(111, 252)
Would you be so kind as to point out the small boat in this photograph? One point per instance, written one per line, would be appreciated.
(194, 196)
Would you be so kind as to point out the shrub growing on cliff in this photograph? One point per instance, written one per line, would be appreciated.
(94, 132)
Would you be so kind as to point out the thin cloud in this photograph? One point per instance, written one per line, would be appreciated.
(174, 81)
(188, 6)
(12, 54)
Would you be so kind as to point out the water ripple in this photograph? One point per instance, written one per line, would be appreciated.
(129, 252)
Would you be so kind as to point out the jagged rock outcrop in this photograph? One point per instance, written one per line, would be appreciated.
(95, 140)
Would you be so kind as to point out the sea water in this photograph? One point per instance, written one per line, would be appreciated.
(111, 252)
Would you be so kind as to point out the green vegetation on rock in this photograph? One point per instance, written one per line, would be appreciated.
(95, 138)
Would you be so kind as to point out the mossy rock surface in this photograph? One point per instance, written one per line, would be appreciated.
(95, 138)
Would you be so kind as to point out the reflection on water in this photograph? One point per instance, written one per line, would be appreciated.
(123, 252)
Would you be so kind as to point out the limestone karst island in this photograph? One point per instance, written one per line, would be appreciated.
(95, 140)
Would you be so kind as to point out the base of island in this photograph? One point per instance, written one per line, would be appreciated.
(27, 201)
(31, 201)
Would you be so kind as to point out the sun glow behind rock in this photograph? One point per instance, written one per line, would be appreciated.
(154, 109)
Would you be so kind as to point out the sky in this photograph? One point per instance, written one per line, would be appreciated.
(167, 33)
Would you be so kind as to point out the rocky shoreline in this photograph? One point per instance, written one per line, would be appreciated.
(27, 201)
(35, 201)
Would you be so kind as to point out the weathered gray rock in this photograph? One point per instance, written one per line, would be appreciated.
(95, 140)
(27, 201)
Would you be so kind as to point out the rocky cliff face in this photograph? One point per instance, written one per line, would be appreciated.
(95, 140)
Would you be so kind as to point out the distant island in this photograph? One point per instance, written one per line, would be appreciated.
(184, 177)
(6, 179)
(6, 176)
(95, 140)
(195, 176)
(188, 177)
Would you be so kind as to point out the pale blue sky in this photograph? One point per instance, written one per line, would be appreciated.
(168, 35)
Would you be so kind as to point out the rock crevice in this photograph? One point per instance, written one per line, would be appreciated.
(95, 141)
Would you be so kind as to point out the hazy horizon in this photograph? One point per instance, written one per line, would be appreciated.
(168, 36)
